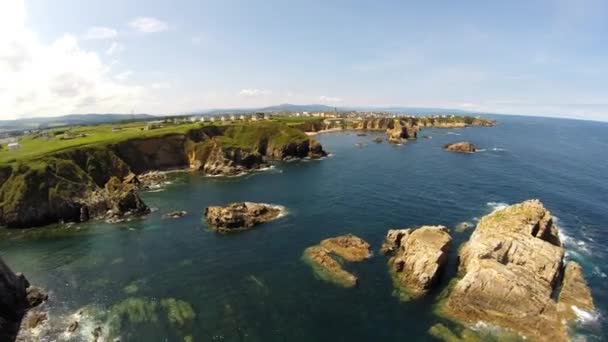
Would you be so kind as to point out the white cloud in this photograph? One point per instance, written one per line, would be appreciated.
(329, 99)
(148, 25)
(100, 33)
(123, 76)
(53, 79)
(115, 49)
(254, 92)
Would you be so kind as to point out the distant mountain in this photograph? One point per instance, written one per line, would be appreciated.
(68, 120)
(286, 107)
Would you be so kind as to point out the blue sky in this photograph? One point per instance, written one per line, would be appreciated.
(522, 57)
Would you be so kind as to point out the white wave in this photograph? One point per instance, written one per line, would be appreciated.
(497, 205)
(481, 150)
(584, 316)
(453, 133)
(598, 272)
(497, 149)
(282, 209)
(156, 190)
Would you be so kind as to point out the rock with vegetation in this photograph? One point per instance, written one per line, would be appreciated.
(462, 147)
(419, 256)
(510, 269)
(240, 216)
(76, 184)
(326, 258)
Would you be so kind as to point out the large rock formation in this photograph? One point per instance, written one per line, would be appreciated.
(325, 258)
(462, 147)
(16, 297)
(510, 271)
(419, 257)
(400, 129)
(239, 216)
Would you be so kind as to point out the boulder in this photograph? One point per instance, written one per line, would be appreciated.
(419, 257)
(239, 216)
(461, 147)
(324, 261)
(509, 271)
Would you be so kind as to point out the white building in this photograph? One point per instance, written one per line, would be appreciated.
(203, 119)
(14, 146)
(242, 117)
(212, 119)
(223, 118)
(232, 117)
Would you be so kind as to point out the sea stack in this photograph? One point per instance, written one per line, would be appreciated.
(462, 147)
(419, 256)
(510, 270)
(240, 216)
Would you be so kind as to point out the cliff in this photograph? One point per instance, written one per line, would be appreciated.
(397, 129)
(74, 185)
(511, 270)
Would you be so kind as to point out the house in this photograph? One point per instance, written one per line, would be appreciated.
(267, 116)
(193, 119)
(242, 117)
(203, 119)
(14, 146)
(232, 117)
(212, 119)
(222, 118)
(116, 129)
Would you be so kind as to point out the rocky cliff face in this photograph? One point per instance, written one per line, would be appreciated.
(419, 257)
(73, 185)
(16, 297)
(462, 147)
(511, 269)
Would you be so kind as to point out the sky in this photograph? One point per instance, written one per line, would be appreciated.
(534, 57)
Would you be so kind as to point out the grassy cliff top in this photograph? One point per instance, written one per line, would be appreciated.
(238, 134)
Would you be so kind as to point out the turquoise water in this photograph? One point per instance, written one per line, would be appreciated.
(253, 286)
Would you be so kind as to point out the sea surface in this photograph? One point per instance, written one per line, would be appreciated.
(253, 286)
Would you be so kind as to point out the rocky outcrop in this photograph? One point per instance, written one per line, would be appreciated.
(240, 216)
(16, 297)
(115, 202)
(510, 270)
(574, 293)
(325, 258)
(462, 147)
(419, 257)
(400, 129)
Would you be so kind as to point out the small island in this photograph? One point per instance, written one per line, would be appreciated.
(326, 258)
(461, 147)
(240, 216)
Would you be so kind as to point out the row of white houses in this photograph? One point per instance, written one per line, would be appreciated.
(233, 117)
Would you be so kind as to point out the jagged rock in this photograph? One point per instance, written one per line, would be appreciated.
(420, 255)
(400, 129)
(35, 296)
(574, 292)
(151, 180)
(378, 140)
(238, 216)
(73, 326)
(462, 147)
(175, 214)
(34, 318)
(13, 301)
(510, 269)
(347, 247)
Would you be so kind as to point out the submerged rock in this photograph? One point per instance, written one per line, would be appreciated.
(419, 257)
(324, 261)
(238, 216)
(462, 147)
(175, 214)
(378, 140)
(510, 269)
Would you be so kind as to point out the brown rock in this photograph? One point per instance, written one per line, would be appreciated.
(348, 247)
(574, 292)
(239, 216)
(420, 256)
(73, 326)
(510, 268)
(462, 147)
(35, 296)
(327, 268)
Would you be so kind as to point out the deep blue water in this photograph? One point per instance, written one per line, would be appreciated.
(253, 286)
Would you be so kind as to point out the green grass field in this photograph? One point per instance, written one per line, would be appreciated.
(240, 134)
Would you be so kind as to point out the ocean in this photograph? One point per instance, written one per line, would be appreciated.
(253, 285)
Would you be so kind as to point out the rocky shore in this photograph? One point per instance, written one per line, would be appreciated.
(326, 258)
(102, 182)
(17, 297)
(240, 216)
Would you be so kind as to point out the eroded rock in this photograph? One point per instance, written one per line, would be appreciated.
(510, 269)
(419, 257)
(325, 258)
(241, 215)
(462, 147)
